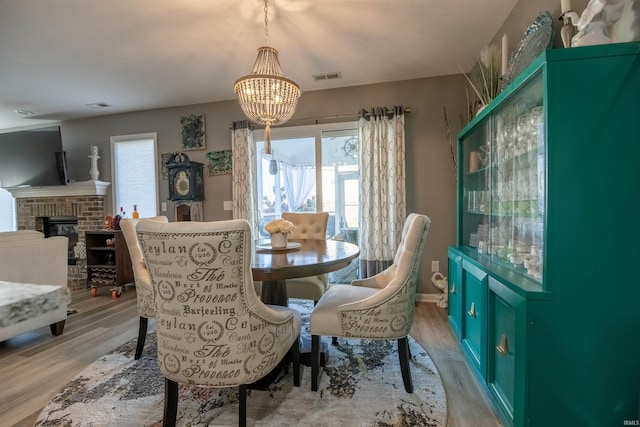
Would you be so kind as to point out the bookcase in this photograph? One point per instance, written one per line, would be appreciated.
(108, 261)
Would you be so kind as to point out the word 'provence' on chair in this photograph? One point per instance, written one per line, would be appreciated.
(213, 330)
(141, 277)
(309, 225)
(378, 307)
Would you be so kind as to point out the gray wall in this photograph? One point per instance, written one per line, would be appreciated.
(430, 178)
(431, 185)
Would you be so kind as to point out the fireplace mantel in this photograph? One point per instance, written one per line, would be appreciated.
(85, 188)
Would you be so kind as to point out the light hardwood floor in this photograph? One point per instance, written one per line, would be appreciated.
(35, 366)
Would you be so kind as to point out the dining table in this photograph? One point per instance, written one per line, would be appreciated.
(301, 258)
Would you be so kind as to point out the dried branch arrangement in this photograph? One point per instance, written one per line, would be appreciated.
(485, 75)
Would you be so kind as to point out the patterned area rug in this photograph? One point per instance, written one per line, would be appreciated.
(360, 386)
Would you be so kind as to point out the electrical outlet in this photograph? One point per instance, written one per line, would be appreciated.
(163, 207)
(435, 266)
(227, 205)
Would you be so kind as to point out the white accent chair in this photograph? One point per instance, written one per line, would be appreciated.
(378, 307)
(213, 330)
(144, 291)
(308, 226)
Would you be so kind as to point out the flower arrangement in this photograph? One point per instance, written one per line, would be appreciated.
(280, 225)
(485, 75)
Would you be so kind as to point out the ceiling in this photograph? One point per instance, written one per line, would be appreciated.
(60, 56)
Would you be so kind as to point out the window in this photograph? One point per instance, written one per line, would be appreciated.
(311, 168)
(134, 173)
(7, 211)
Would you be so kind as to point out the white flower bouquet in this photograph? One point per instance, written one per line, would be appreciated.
(279, 230)
(280, 225)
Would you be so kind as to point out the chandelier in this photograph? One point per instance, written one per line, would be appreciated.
(265, 95)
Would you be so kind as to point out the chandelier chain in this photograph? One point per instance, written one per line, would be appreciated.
(266, 22)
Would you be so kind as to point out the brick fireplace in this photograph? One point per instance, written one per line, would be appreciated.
(84, 201)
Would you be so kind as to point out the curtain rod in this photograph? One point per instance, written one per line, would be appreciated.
(339, 118)
(328, 119)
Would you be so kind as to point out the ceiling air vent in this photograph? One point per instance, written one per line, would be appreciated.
(98, 105)
(327, 76)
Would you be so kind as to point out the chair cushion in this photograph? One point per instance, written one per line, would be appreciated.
(325, 318)
(311, 287)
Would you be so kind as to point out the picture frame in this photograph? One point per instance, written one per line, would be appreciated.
(164, 171)
(219, 162)
(192, 132)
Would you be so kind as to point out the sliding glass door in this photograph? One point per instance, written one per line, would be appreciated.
(311, 169)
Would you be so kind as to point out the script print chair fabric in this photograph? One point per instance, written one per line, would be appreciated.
(378, 307)
(308, 226)
(212, 329)
(141, 277)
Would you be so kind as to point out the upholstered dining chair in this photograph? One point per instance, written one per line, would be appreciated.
(309, 225)
(213, 330)
(378, 307)
(141, 278)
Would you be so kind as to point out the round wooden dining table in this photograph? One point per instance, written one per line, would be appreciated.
(303, 258)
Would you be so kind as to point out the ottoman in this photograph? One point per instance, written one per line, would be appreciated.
(25, 307)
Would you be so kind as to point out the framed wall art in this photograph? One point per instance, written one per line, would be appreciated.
(164, 171)
(219, 162)
(192, 132)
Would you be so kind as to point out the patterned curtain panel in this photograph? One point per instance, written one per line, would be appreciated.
(383, 206)
(245, 180)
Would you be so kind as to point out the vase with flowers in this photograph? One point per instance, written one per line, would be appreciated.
(279, 230)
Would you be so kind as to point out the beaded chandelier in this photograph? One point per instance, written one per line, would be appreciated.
(265, 95)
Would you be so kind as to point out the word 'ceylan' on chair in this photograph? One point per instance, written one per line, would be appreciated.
(202, 281)
(378, 307)
(141, 277)
(309, 225)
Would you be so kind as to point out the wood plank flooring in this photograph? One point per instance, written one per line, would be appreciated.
(36, 365)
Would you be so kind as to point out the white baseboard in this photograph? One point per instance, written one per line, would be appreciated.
(427, 298)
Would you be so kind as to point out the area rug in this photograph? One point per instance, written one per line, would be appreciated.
(361, 385)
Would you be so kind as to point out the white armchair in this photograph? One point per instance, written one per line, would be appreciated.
(379, 307)
(308, 226)
(141, 277)
(213, 330)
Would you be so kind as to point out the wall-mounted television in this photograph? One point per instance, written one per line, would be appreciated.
(32, 157)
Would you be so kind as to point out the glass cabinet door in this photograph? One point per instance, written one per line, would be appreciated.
(503, 183)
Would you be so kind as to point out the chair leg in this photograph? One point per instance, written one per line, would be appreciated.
(242, 398)
(142, 336)
(403, 352)
(295, 355)
(315, 361)
(170, 403)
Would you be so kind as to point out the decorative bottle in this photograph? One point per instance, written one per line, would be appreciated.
(135, 214)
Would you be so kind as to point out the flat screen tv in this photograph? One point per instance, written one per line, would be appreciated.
(32, 157)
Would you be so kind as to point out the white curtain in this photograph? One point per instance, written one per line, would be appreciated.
(298, 183)
(244, 174)
(383, 207)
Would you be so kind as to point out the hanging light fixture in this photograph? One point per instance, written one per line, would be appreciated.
(265, 95)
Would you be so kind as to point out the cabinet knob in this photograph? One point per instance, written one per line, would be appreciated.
(472, 310)
(503, 348)
(453, 289)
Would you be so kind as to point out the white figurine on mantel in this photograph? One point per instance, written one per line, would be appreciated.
(592, 24)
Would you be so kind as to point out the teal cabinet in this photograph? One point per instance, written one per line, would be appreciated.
(507, 356)
(546, 224)
(474, 317)
(455, 292)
